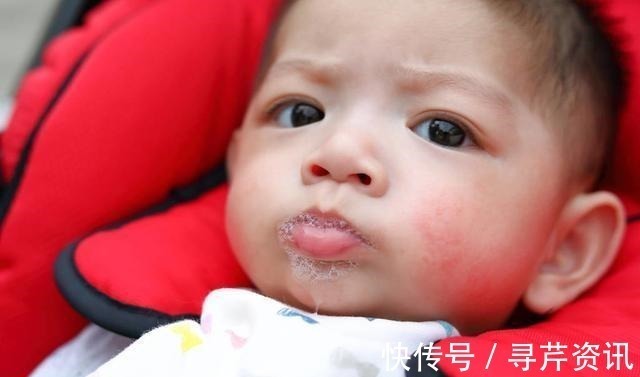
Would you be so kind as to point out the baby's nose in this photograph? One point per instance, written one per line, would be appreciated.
(346, 159)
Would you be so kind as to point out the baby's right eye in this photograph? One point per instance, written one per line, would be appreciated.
(297, 114)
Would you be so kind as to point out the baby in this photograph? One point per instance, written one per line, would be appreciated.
(424, 160)
(429, 159)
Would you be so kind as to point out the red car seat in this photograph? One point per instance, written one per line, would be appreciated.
(126, 112)
(112, 165)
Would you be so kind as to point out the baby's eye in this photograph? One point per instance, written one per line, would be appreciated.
(298, 114)
(441, 132)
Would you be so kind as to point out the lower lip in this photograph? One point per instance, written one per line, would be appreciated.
(323, 243)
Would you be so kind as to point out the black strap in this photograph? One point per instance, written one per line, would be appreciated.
(68, 13)
(127, 320)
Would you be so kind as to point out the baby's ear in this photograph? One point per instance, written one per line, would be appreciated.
(587, 237)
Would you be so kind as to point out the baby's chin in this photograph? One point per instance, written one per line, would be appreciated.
(346, 300)
(321, 297)
(336, 298)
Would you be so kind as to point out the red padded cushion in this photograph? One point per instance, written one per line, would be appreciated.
(180, 272)
(40, 86)
(149, 92)
(625, 174)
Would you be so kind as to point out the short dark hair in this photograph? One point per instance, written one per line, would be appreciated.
(267, 47)
(580, 61)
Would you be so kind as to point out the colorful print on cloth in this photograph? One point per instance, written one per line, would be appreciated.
(288, 312)
(189, 336)
(448, 328)
(245, 334)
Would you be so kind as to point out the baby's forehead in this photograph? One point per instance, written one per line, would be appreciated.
(327, 33)
(376, 17)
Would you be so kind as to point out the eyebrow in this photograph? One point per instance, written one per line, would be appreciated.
(417, 78)
(321, 71)
(410, 77)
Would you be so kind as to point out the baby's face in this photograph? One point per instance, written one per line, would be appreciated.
(410, 120)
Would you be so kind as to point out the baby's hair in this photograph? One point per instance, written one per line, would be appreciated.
(579, 64)
(267, 48)
(578, 68)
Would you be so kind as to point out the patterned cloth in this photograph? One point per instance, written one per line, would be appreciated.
(243, 333)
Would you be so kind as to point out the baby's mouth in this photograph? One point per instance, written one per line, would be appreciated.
(309, 269)
(321, 246)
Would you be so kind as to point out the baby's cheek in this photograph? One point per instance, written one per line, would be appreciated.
(440, 228)
(464, 259)
(453, 252)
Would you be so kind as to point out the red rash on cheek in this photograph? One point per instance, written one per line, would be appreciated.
(441, 240)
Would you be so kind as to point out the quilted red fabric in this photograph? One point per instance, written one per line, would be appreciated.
(181, 255)
(139, 100)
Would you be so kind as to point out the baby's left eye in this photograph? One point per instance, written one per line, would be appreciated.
(298, 114)
(442, 132)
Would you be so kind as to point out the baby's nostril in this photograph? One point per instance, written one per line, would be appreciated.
(319, 171)
(365, 179)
